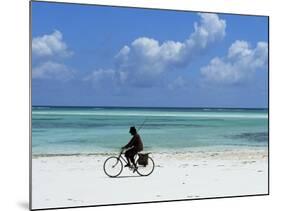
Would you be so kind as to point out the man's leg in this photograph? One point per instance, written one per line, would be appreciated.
(127, 155)
(132, 157)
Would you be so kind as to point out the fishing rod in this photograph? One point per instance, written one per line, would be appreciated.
(140, 127)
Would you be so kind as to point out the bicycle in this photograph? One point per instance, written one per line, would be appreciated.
(113, 166)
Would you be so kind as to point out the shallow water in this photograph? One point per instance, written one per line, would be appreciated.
(58, 130)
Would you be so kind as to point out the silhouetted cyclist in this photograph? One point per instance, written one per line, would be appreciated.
(134, 146)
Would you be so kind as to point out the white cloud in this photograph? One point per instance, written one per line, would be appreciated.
(52, 70)
(101, 76)
(241, 63)
(141, 62)
(50, 45)
(49, 52)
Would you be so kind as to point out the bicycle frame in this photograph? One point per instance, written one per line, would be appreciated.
(122, 157)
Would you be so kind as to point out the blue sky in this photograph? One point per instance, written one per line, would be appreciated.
(111, 56)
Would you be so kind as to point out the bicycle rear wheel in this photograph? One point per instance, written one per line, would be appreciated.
(147, 169)
(113, 166)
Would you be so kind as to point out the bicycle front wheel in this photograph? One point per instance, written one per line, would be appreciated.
(147, 169)
(113, 166)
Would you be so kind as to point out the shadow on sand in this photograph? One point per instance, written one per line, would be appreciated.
(126, 176)
(24, 205)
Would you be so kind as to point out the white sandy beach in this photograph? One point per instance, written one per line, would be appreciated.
(63, 181)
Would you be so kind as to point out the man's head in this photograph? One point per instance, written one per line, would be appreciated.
(133, 130)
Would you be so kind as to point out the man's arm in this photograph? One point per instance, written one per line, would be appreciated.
(130, 144)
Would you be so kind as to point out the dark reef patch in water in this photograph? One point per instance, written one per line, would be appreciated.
(257, 137)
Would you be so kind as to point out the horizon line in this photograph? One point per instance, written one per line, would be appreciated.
(116, 106)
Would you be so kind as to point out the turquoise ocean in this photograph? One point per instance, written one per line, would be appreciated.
(84, 130)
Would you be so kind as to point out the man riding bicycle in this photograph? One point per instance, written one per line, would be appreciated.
(134, 146)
